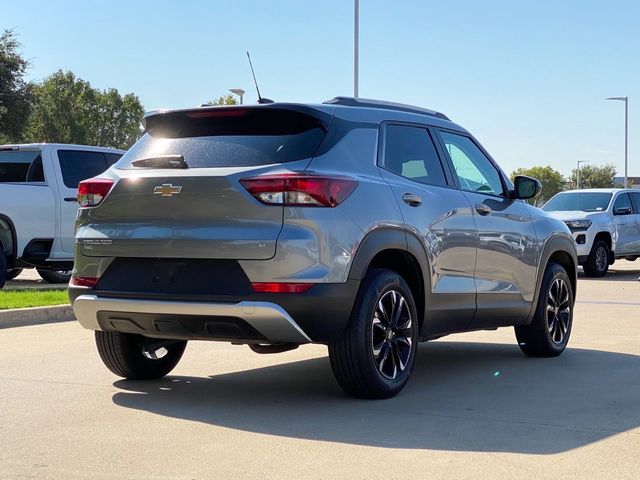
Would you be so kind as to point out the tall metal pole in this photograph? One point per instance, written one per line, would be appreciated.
(626, 136)
(356, 47)
(626, 139)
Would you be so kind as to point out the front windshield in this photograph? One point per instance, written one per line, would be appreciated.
(584, 202)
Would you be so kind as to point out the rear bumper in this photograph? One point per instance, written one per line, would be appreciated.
(319, 315)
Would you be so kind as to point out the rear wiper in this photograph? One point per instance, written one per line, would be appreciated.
(161, 161)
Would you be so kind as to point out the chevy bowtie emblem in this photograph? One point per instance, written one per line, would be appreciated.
(167, 190)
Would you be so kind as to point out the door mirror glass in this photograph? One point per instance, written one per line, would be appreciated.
(526, 187)
(622, 211)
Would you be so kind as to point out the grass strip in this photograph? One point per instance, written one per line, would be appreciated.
(32, 298)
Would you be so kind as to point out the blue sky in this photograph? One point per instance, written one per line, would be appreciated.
(527, 78)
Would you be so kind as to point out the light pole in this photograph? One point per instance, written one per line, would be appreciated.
(578, 173)
(626, 133)
(356, 47)
(239, 92)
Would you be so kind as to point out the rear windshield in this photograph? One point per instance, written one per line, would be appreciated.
(238, 137)
(21, 166)
(582, 202)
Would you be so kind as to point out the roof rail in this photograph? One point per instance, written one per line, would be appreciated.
(369, 103)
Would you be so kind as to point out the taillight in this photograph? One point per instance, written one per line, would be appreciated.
(91, 192)
(84, 281)
(276, 287)
(296, 190)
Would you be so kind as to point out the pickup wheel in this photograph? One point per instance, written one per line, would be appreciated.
(549, 332)
(597, 263)
(136, 357)
(374, 356)
(55, 276)
(3, 267)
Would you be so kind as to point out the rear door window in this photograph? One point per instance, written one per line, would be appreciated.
(636, 202)
(229, 137)
(78, 165)
(410, 152)
(21, 166)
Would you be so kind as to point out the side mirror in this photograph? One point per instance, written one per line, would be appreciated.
(622, 211)
(526, 187)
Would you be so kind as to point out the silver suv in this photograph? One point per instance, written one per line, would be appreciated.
(366, 226)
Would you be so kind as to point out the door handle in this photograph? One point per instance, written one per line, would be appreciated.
(483, 209)
(71, 199)
(412, 200)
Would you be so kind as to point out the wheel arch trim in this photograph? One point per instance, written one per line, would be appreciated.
(554, 245)
(390, 238)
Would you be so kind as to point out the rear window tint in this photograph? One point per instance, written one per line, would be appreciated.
(21, 166)
(636, 200)
(78, 165)
(410, 152)
(229, 137)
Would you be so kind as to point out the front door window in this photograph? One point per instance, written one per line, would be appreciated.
(474, 170)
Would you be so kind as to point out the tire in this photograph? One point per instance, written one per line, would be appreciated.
(13, 273)
(597, 264)
(131, 356)
(359, 370)
(549, 332)
(55, 276)
(3, 267)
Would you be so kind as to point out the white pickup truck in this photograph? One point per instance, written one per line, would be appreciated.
(38, 206)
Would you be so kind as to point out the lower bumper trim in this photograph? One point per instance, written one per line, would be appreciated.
(270, 320)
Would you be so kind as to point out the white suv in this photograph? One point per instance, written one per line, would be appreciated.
(605, 223)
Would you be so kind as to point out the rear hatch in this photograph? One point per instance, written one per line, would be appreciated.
(177, 192)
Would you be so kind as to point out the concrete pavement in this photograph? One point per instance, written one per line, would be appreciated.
(474, 408)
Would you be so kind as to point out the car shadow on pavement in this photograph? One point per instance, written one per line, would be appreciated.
(462, 397)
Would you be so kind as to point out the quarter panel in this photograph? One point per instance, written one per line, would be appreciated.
(318, 244)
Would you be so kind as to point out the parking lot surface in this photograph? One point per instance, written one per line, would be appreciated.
(475, 407)
(29, 278)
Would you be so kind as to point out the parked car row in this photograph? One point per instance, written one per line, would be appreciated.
(604, 222)
(38, 205)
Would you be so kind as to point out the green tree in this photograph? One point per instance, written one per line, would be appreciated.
(551, 179)
(14, 90)
(594, 176)
(227, 99)
(67, 109)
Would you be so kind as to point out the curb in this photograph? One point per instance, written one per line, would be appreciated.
(29, 285)
(22, 317)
